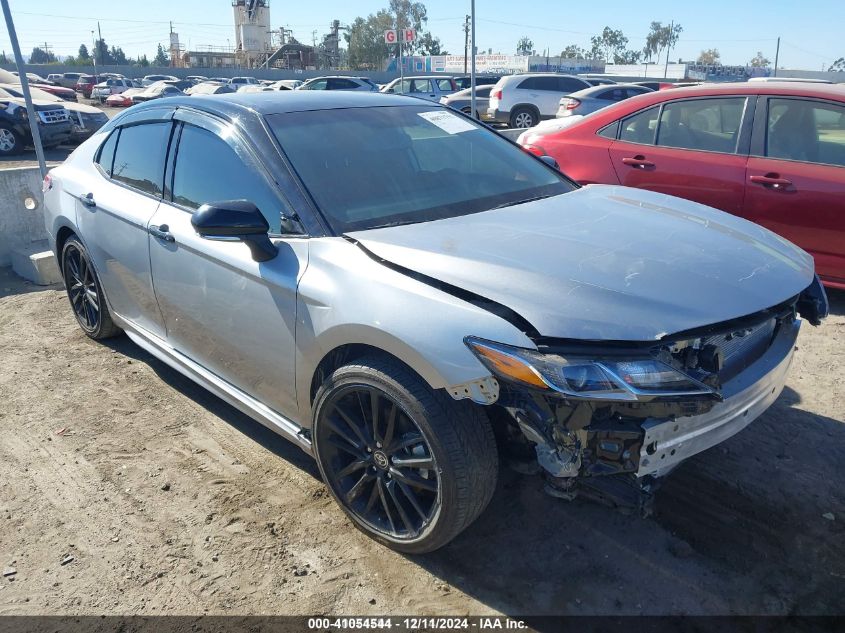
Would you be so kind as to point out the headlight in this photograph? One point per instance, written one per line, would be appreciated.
(583, 377)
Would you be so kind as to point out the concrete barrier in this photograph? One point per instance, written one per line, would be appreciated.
(23, 238)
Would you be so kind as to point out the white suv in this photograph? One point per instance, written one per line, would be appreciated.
(110, 87)
(522, 101)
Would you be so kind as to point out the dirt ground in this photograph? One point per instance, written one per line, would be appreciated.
(170, 501)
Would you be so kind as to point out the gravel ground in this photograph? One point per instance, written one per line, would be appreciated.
(125, 489)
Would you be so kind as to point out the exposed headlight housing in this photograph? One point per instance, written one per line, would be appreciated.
(581, 377)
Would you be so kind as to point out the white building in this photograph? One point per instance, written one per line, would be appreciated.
(252, 31)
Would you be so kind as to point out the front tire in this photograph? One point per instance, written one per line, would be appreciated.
(410, 466)
(85, 292)
(10, 143)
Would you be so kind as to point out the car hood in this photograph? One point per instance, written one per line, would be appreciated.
(604, 262)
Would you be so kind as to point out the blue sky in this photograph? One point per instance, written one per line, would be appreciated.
(811, 31)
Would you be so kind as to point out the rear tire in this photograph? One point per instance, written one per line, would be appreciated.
(85, 293)
(447, 464)
(523, 118)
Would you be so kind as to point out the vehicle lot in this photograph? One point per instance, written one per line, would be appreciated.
(170, 501)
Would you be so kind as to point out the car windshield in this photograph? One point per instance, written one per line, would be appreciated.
(393, 165)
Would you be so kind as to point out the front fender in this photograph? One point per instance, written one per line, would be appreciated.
(345, 297)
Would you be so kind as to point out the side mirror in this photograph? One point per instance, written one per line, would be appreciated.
(551, 162)
(236, 220)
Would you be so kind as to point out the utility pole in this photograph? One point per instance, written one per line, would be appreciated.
(466, 43)
(668, 48)
(100, 44)
(94, 52)
(30, 110)
(777, 54)
(472, 52)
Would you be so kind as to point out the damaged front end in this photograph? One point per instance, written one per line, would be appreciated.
(608, 419)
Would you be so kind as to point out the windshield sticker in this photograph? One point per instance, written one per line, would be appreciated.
(448, 122)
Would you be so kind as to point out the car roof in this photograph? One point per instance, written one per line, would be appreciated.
(834, 91)
(274, 102)
(594, 90)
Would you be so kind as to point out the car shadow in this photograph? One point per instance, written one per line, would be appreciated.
(737, 529)
(12, 284)
(256, 431)
(836, 299)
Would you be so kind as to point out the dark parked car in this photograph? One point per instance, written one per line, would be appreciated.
(54, 125)
(773, 153)
(395, 305)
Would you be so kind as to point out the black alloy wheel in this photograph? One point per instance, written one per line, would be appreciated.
(409, 465)
(85, 293)
(378, 462)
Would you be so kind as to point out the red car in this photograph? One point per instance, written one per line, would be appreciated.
(66, 94)
(85, 84)
(773, 153)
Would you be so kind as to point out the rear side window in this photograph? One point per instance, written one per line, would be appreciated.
(807, 131)
(641, 127)
(710, 125)
(209, 170)
(569, 84)
(421, 85)
(341, 84)
(139, 158)
(106, 156)
(445, 85)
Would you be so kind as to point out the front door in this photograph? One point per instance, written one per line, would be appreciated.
(234, 316)
(690, 148)
(796, 178)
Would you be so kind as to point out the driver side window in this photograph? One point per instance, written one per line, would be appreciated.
(208, 169)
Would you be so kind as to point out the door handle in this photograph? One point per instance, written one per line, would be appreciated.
(771, 181)
(637, 161)
(88, 200)
(161, 232)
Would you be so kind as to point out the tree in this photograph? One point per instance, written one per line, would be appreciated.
(410, 15)
(102, 55)
(608, 44)
(627, 57)
(3, 58)
(838, 66)
(759, 61)
(661, 38)
(161, 58)
(430, 45)
(143, 61)
(709, 57)
(524, 46)
(84, 55)
(40, 56)
(573, 51)
(365, 41)
(118, 56)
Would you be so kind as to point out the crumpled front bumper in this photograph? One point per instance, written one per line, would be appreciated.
(749, 394)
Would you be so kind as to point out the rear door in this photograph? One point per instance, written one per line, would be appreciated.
(124, 194)
(796, 177)
(692, 148)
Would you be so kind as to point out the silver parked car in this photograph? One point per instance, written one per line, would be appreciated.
(594, 99)
(430, 88)
(424, 292)
(462, 100)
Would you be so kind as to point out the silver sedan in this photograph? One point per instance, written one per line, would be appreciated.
(595, 98)
(423, 296)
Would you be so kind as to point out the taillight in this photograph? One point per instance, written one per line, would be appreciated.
(47, 184)
(533, 149)
(496, 94)
(571, 104)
